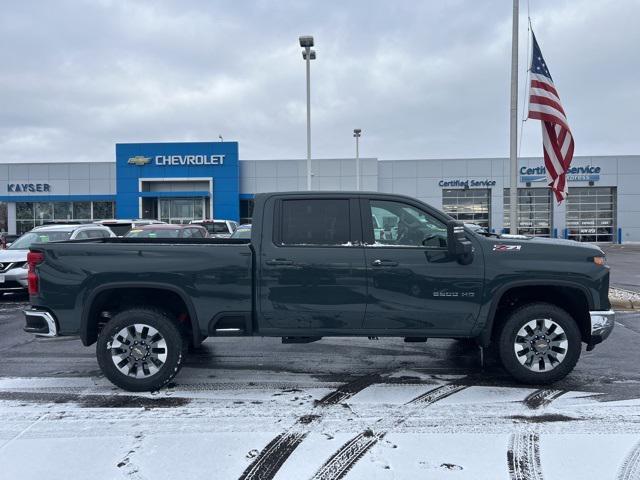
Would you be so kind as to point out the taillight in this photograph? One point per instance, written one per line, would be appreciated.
(33, 259)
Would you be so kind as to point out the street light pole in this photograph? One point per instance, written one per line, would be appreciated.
(356, 133)
(306, 42)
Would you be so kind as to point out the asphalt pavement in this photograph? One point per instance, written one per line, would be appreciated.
(254, 408)
(610, 369)
(625, 265)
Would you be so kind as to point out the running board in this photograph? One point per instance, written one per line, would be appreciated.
(300, 339)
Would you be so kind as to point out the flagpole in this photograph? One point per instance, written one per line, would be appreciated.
(513, 144)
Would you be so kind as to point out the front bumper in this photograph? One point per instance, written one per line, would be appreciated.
(602, 323)
(14, 280)
(40, 323)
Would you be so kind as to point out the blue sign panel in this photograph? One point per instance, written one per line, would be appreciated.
(211, 163)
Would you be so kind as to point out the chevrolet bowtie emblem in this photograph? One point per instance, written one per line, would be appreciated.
(139, 160)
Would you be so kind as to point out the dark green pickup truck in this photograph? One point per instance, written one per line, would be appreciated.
(324, 264)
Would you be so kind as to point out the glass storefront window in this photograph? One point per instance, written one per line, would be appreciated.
(33, 214)
(469, 206)
(246, 211)
(534, 211)
(63, 210)
(591, 214)
(24, 211)
(43, 212)
(181, 210)
(3, 217)
(102, 210)
(82, 210)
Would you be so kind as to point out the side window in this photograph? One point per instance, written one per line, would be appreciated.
(187, 233)
(196, 233)
(95, 233)
(315, 222)
(82, 235)
(396, 223)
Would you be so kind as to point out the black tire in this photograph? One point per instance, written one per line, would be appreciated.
(175, 349)
(508, 338)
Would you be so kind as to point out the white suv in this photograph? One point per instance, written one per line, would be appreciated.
(13, 260)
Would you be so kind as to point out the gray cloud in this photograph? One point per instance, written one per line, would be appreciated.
(422, 79)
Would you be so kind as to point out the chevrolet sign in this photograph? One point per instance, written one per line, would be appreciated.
(175, 160)
(139, 160)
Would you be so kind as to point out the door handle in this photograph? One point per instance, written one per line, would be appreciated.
(384, 263)
(279, 261)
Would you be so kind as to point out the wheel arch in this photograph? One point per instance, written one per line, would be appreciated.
(89, 318)
(570, 296)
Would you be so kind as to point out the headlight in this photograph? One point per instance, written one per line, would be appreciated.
(600, 261)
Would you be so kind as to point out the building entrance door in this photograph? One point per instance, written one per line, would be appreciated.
(182, 210)
(591, 214)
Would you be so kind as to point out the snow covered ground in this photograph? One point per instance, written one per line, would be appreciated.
(338, 408)
(260, 424)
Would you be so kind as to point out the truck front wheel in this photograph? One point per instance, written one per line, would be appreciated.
(140, 349)
(539, 343)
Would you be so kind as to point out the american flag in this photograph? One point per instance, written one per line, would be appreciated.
(557, 140)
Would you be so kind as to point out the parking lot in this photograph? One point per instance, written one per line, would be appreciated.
(255, 408)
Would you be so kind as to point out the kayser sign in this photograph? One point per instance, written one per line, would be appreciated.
(28, 187)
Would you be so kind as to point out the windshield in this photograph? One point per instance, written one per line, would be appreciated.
(217, 227)
(25, 241)
(242, 233)
(154, 233)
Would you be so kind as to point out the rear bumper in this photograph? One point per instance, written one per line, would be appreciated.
(602, 323)
(40, 323)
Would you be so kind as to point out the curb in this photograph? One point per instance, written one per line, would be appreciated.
(618, 304)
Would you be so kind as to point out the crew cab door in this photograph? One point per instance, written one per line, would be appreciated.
(312, 267)
(413, 282)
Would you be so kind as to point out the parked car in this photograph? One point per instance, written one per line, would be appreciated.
(13, 260)
(121, 227)
(314, 268)
(217, 228)
(168, 231)
(243, 231)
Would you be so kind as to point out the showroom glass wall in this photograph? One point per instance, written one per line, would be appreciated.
(33, 214)
(469, 205)
(534, 211)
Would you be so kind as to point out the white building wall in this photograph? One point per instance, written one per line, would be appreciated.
(260, 176)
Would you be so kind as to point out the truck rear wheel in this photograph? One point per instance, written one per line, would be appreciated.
(140, 349)
(539, 343)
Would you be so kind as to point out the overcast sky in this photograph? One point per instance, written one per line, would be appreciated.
(422, 79)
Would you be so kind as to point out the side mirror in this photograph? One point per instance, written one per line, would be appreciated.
(457, 243)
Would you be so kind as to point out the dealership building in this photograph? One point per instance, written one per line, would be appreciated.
(179, 182)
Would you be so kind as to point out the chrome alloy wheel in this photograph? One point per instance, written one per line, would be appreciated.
(138, 351)
(541, 345)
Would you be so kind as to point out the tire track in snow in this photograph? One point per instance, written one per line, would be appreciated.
(348, 390)
(542, 398)
(272, 457)
(523, 457)
(344, 459)
(630, 469)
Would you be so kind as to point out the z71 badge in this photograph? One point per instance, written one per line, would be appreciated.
(506, 248)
